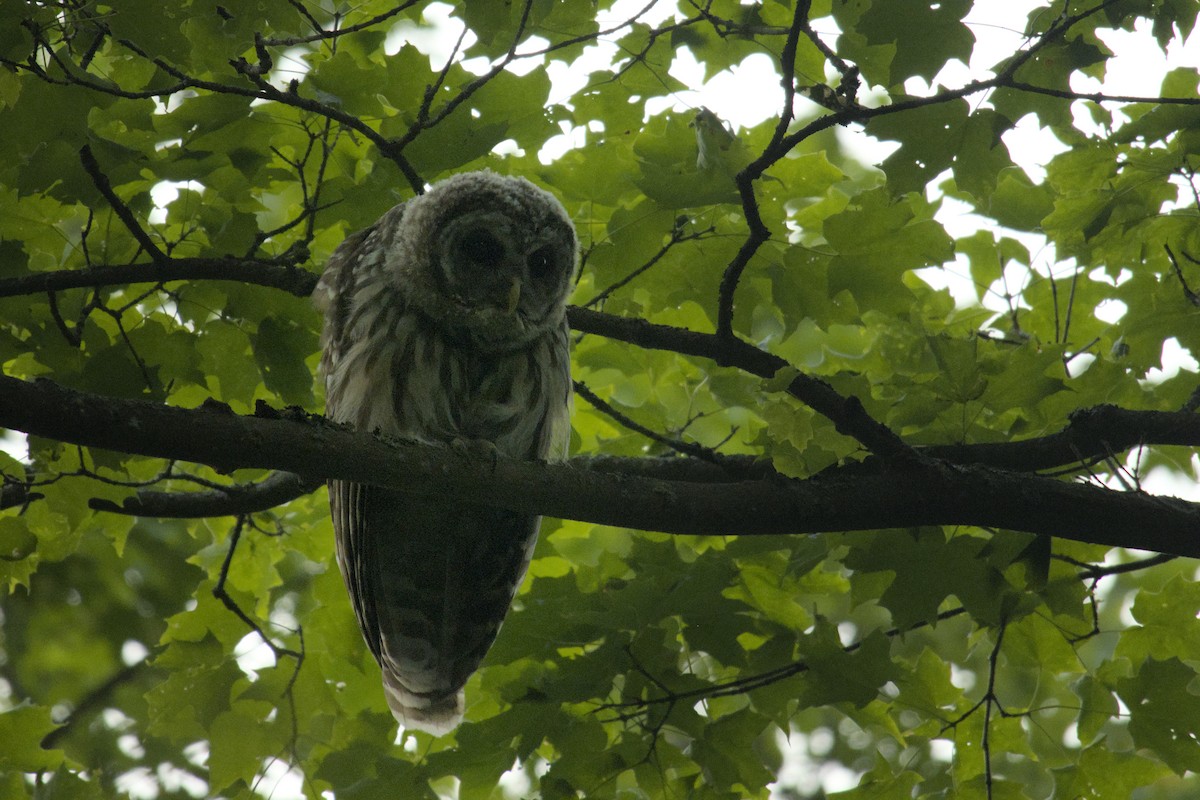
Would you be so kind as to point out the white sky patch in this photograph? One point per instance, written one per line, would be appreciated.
(1110, 311)
(278, 781)
(133, 652)
(196, 753)
(137, 784)
(649, 13)
(941, 750)
(174, 779)
(435, 38)
(252, 654)
(163, 193)
(515, 782)
(962, 678)
(743, 96)
(803, 771)
(1078, 364)
(1031, 147)
(15, 444)
(567, 80)
(131, 746)
(572, 137)
(291, 65)
(1170, 483)
(1138, 65)
(1175, 358)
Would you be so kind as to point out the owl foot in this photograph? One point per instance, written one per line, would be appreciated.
(476, 450)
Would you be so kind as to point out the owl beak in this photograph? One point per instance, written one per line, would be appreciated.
(514, 295)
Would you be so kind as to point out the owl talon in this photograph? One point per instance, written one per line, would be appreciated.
(476, 450)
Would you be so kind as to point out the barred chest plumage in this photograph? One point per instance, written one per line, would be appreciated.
(402, 377)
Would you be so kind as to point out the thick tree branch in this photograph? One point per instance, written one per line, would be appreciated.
(294, 280)
(96, 698)
(276, 489)
(846, 413)
(1072, 445)
(930, 493)
(283, 487)
(1092, 433)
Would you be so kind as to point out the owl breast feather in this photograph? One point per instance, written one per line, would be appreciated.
(414, 383)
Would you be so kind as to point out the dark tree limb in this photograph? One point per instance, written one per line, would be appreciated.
(1092, 433)
(1088, 435)
(292, 279)
(925, 493)
(1077, 443)
(283, 487)
(17, 494)
(96, 699)
(237, 499)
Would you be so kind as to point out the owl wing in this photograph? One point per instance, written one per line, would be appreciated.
(430, 585)
(356, 265)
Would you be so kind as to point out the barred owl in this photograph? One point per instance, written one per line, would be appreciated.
(445, 322)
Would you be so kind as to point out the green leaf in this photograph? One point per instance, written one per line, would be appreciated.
(1104, 774)
(835, 675)
(23, 729)
(927, 137)
(876, 244)
(280, 347)
(924, 39)
(1168, 625)
(1164, 715)
(929, 568)
(727, 753)
(237, 740)
(1097, 705)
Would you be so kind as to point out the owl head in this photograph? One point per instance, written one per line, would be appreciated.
(489, 259)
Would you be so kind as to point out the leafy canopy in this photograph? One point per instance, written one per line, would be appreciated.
(757, 310)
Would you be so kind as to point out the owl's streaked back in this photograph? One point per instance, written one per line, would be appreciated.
(445, 321)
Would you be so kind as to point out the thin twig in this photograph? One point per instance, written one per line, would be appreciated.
(1192, 296)
(218, 591)
(686, 448)
(104, 186)
(95, 699)
(676, 237)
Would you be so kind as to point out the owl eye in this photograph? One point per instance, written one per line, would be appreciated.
(541, 260)
(482, 247)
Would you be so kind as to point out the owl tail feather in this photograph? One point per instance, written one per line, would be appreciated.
(434, 715)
